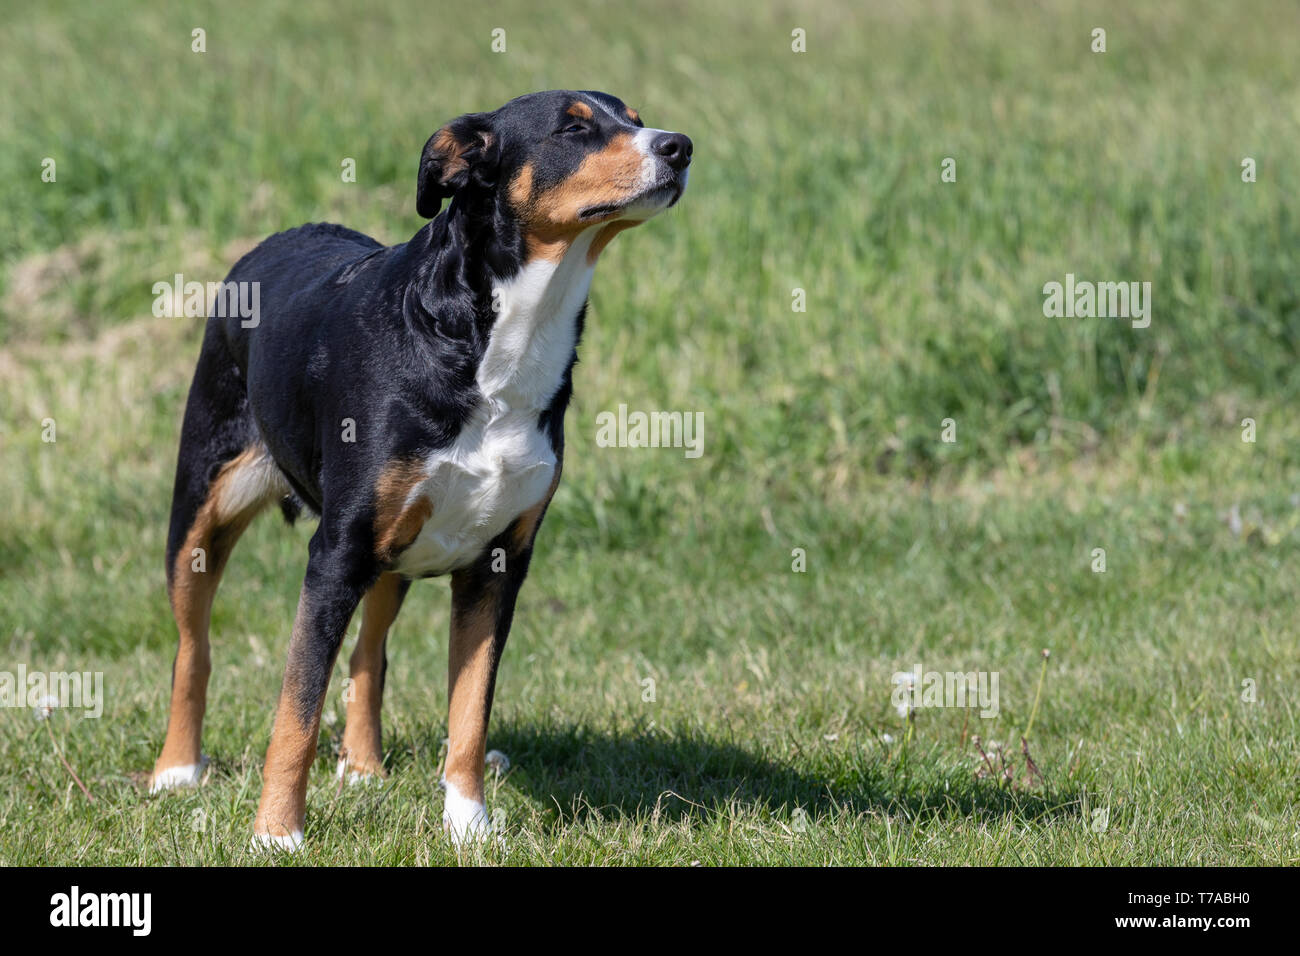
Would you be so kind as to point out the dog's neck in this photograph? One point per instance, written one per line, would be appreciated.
(532, 340)
(521, 322)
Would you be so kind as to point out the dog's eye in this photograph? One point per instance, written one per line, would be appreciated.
(573, 128)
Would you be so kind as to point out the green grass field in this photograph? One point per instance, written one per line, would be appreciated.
(1166, 732)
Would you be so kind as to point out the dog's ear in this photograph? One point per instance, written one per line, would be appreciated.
(462, 151)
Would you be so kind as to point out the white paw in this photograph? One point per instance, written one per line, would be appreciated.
(288, 843)
(464, 819)
(187, 775)
(355, 777)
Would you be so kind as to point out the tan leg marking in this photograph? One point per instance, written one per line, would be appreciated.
(362, 734)
(471, 666)
(397, 524)
(472, 662)
(283, 807)
(241, 489)
(525, 529)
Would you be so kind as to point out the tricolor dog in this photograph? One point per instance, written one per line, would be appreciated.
(412, 397)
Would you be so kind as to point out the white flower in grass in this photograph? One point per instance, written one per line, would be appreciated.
(1235, 524)
(497, 762)
(45, 706)
(887, 738)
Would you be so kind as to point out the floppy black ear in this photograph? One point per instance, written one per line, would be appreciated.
(462, 150)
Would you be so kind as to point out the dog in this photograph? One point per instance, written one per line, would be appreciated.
(412, 397)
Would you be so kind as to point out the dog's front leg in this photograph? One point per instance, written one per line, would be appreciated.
(362, 755)
(330, 593)
(482, 605)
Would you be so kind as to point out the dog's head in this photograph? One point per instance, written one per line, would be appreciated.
(558, 163)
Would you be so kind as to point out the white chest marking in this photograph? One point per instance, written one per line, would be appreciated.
(501, 463)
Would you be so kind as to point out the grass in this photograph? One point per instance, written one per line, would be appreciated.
(771, 737)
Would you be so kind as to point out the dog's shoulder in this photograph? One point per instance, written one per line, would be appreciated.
(324, 231)
(319, 236)
(311, 241)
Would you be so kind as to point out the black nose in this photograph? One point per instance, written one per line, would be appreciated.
(674, 148)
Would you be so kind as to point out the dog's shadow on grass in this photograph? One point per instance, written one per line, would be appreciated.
(578, 772)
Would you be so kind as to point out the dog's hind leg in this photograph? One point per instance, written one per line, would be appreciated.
(224, 476)
(362, 755)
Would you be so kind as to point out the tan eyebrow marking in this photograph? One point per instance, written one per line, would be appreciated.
(580, 110)
(633, 115)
